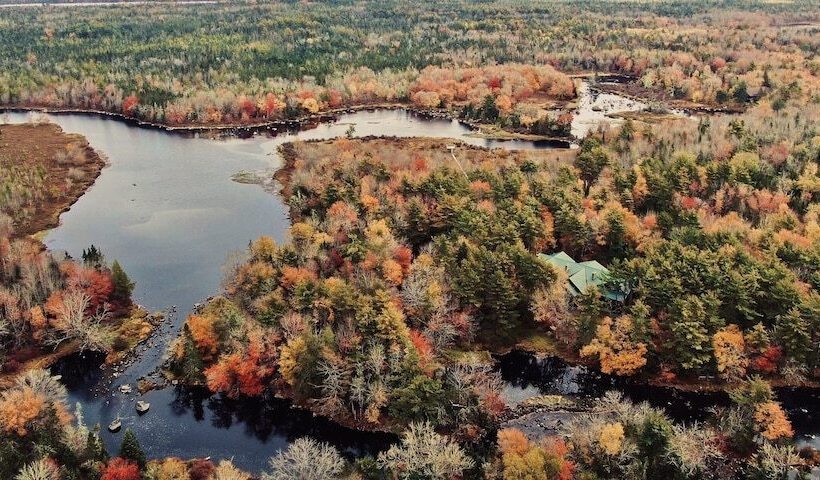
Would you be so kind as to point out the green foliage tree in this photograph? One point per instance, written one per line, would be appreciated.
(694, 319)
(590, 162)
(418, 401)
(123, 286)
(130, 449)
(793, 333)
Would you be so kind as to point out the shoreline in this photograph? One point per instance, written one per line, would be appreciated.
(113, 359)
(244, 130)
(47, 217)
(283, 173)
(685, 106)
(703, 386)
(46, 214)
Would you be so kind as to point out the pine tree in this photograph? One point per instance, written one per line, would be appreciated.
(792, 333)
(94, 448)
(123, 286)
(691, 338)
(590, 307)
(93, 257)
(591, 162)
(130, 449)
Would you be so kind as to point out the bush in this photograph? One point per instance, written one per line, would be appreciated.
(120, 344)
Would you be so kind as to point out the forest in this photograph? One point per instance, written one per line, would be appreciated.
(251, 63)
(411, 264)
(356, 318)
(50, 305)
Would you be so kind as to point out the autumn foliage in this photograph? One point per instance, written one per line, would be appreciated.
(616, 351)
(121, 469)
(523, 459)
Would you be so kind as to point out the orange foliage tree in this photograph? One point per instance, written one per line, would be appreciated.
(522, 459)
(771, 421)
(729, 348)
(18, 409)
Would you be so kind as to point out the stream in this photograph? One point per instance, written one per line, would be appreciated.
(167, 210)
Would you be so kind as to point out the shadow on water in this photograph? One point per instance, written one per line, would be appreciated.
(526, 376)
(267, 418)
(190, 421)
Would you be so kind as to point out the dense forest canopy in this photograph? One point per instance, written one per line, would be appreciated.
(231, 62)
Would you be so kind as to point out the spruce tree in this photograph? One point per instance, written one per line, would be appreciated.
(94, 448)
(123, 286)
(130, 449)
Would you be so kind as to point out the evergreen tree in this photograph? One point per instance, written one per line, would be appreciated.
(591, 162)
(590, 306)
(793, 335)
(489, 111)
(123, 286)
(420, 400)
(691, 331)
(94, 448)
(93, 257)
(130, 449)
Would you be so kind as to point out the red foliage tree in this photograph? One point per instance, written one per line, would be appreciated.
(404, 256)
(200, 469)
(334, 99)
(243, 373)
(247, 107)
(130, 104)
(767, 361)
(424, 348)
(121, 469)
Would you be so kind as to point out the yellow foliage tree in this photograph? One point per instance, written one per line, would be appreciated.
(611, 438)
(614, 348)
(529, 466)
(302, 236)
(730, 352)
(391, 324)
(310, 105)
(170, 469)
(289, 359)
(378, 235)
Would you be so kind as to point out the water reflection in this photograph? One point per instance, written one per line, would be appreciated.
(526, 376)
(191, 422)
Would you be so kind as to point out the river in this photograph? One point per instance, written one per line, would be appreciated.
(167, 210)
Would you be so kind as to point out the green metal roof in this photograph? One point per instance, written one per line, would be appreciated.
(583, 275)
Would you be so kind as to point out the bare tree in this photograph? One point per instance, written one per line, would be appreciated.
(74, 324)
(423, 453)
(306, 459)
(335, 381)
